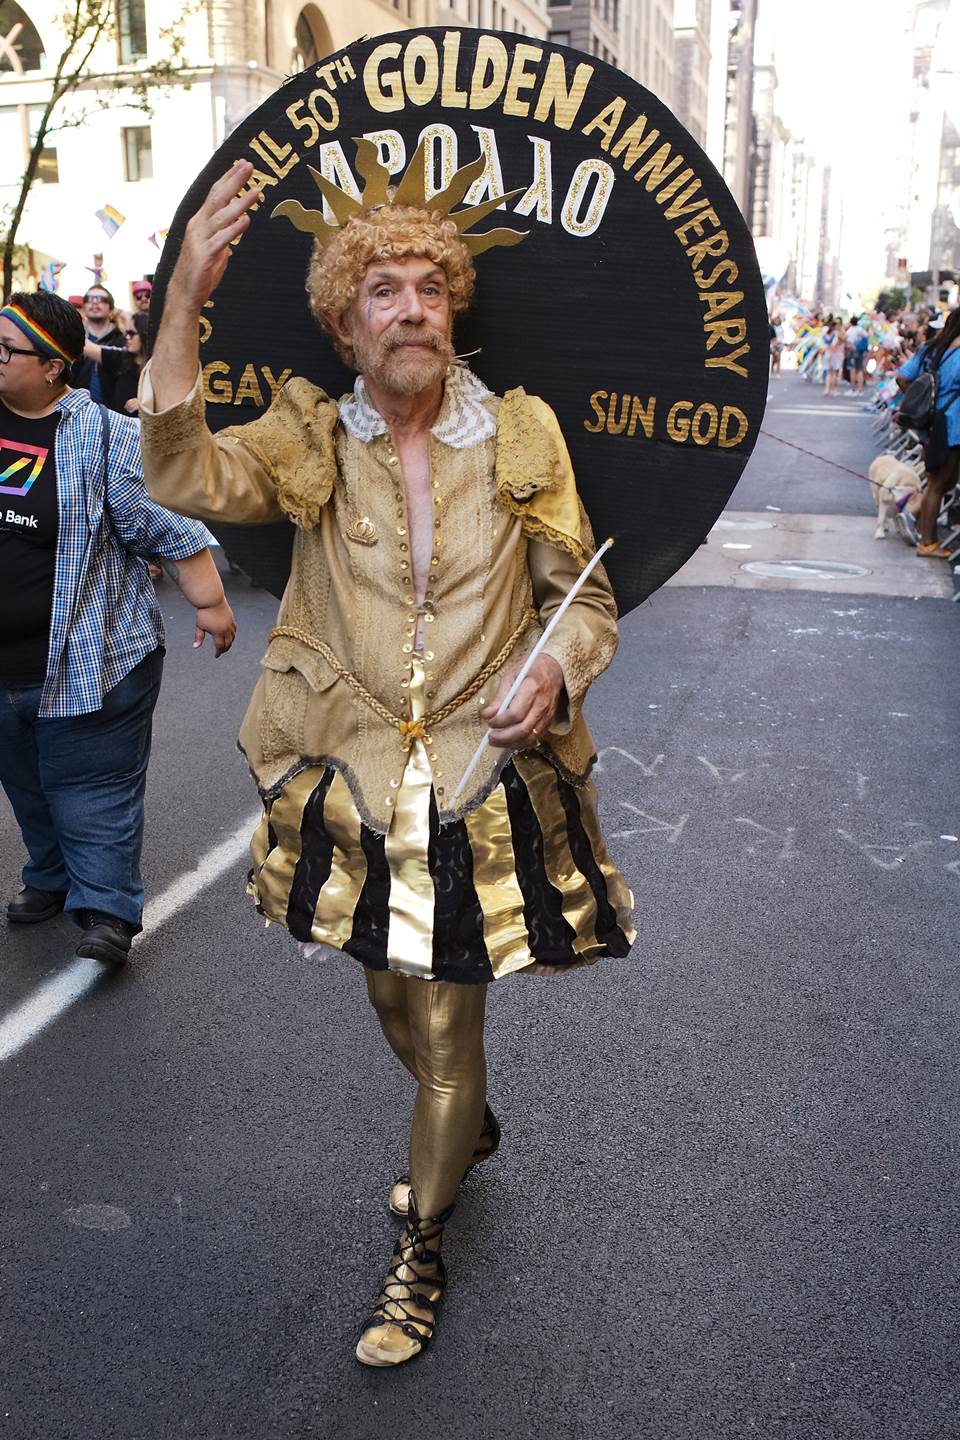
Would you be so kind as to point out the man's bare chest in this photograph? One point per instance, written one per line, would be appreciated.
(414, 457)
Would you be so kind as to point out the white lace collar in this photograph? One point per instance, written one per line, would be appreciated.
(463, 418)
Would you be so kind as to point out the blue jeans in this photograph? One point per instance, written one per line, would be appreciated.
(77, 789)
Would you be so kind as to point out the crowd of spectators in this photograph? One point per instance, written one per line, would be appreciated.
(117, 346)
(876, 356)
(848, 354)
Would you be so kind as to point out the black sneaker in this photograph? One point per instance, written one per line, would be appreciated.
(31, 906)
(105, 937)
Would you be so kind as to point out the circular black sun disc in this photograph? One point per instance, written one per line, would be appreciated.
(634, 305)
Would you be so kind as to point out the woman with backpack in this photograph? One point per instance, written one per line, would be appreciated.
(939, 357)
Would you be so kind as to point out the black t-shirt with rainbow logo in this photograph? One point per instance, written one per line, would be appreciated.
(29, 517)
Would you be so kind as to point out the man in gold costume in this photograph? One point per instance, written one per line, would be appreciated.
(438, 528)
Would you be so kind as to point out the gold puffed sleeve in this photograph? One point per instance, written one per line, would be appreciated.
(282, 465)
(534, 475)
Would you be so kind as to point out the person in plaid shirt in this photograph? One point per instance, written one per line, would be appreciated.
(81, 636)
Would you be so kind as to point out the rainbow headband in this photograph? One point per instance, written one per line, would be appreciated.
(45, 343)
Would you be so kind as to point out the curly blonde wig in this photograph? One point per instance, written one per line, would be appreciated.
(392, 232)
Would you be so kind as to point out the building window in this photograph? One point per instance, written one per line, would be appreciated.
(137, 153)
(47, 168)
(306, 47)
(131, 30)
(560, 37)
(311, 39)
(11, 144)
(21, 48)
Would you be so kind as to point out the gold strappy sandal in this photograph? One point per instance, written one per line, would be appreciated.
(402, 1325)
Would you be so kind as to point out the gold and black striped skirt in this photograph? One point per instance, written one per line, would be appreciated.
(525, 878)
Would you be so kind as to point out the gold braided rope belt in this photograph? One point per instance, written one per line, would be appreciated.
(410, 730)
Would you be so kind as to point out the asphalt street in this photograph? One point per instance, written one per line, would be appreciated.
(725, 1204)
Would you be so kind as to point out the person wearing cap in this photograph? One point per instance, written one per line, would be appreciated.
(81, 637)
(142, 291)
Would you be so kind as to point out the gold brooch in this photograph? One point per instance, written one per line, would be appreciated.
(363, 531)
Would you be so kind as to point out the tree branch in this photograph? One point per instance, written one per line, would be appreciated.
(86, 23)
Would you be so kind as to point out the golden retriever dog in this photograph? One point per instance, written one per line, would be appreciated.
(891, 481)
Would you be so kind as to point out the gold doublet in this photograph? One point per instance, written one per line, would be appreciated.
(359, 846)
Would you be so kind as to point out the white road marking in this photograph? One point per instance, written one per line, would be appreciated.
(36, 1012)
(52, 999)
(210, 867)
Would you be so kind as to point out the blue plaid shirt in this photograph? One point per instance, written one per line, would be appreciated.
(105, 615)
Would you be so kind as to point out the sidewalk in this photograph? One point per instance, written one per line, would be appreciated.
(891, 566)
(812, 511)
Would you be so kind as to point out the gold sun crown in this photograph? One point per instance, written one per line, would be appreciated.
(410, 191)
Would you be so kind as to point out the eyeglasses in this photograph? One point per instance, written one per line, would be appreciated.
(130, 333)
(139, 294)
(7, 350)
(96, 300)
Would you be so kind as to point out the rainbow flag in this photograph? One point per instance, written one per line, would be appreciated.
(110, 219)
(48, 276)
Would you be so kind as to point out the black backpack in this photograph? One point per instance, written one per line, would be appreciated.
(917, 407)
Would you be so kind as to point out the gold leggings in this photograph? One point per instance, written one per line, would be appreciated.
(435, 1028)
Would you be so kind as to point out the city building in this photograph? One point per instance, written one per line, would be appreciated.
(922, 234)
(938, 98)
(945, 230)
(590, 25)
(634, 35)
(524, 17)
(761, 188)
(794, 240)
(647, 45)
(111, 176)
(718, 43)
(691, 65)
(738, 123)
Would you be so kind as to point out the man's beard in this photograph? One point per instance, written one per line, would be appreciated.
(400, 370)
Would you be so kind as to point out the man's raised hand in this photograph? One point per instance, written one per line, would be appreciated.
(206, 240)
(199, 269)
